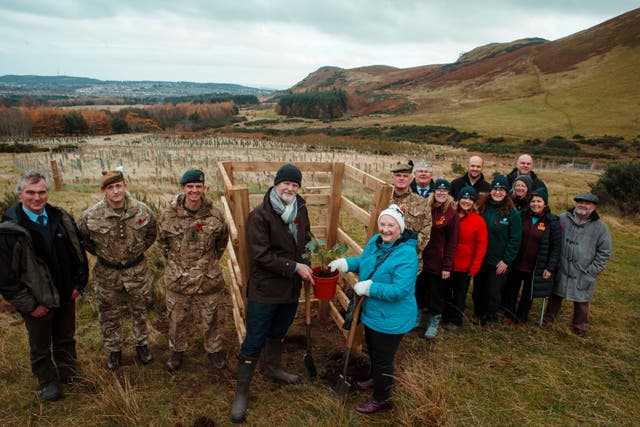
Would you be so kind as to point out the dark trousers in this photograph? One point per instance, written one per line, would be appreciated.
(266, 321)
(510, 292)
(487, 293)
(436, 293)
(455, 297)
(52, 346)
(421, 290)
(580, 321)
(382, 350)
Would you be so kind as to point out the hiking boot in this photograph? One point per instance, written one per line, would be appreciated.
(365, 385)
(452, 327)
(373, 406)
(432, 328)
(246, 368)
(273, 363)
(113, 363)
(175, 361)
(51, 392)
(217, 359)
(144, 355)
(74, 379)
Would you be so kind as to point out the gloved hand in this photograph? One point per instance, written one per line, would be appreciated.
(339, 264)
(362, 288)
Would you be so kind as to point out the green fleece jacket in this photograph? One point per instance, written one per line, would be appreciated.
(505, 234)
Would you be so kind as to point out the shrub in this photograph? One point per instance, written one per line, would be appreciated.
(615, 187)
(458, 169)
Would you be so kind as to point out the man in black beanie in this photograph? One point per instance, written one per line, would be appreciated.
(277, 232)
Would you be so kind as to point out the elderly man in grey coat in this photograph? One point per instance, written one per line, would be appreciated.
(586, 248)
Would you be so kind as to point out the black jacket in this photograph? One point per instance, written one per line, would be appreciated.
(273, 254)
(548, 257)
(481, 186)
(62, 254)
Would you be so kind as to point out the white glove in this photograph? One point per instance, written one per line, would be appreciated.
(339, 264)
(362, 288)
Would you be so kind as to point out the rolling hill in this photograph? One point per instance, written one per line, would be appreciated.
(85, 87)
(586, 83)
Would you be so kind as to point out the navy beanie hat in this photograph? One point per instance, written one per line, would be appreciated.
(542, 192)
(442, 184)
(468, 192)
(500, 181)
(289, 173)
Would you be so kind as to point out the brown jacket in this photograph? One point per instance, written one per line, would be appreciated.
(273, 254)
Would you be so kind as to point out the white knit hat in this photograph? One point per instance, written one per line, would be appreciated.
(396, 213)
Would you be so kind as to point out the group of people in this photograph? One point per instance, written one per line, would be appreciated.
(503, 235)
(44, 269)
(434, 237)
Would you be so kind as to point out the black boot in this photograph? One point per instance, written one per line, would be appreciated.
(246, 368)
(115, 357)
(273, 363)
(144, 355)
(175, 361)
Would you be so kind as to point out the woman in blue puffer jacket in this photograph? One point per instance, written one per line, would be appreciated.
(387, 270)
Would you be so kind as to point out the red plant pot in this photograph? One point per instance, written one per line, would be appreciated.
(324, 288)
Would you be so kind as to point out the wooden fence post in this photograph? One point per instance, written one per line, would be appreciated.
(57, 179)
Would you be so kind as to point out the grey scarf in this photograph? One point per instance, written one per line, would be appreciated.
(287, 212)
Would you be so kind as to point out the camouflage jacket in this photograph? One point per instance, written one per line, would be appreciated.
(193, 245)
(118, 237)
(417, 216)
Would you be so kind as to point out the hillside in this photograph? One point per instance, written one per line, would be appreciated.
(585, 83)
(86, 87)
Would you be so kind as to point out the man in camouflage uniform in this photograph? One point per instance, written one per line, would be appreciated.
(118, 230)
(417, 217)
(193, 236)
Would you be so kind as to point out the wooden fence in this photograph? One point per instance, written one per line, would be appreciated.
(237, 203)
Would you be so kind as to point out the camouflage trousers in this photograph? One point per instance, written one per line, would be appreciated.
(178, 306)
(114, 288)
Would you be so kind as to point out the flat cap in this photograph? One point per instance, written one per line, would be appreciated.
(587, 197)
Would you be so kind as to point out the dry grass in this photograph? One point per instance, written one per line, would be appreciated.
(504, 376)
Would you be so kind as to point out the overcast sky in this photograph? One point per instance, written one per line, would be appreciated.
(268, 43)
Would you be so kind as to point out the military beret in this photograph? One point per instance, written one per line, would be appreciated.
(401, 167)
(109, 177)
(192, 175)
(587, 197)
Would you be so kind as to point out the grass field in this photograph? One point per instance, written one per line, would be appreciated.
(505, 376)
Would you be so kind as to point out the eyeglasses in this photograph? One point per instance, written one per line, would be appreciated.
(499, 190)
(442, 191)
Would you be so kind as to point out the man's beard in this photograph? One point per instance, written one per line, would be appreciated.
(287, 198)
(581, 212)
